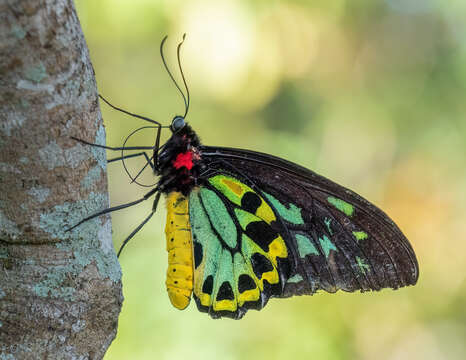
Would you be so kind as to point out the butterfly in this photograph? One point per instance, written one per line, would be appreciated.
(243, 227)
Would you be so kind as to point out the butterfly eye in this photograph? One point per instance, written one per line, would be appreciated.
(178, 123)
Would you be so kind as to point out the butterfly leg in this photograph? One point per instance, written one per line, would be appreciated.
(148, 162)
(115, 208)
(157, 147)
(113, 148)
(132, 156)
(130, 236)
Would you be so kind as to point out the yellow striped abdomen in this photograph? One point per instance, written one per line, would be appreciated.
(180, 251)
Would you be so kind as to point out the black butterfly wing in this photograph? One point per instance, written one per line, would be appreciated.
(340, 241)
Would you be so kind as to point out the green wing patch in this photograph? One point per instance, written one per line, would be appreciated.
(341, 205)
(305, 246)
(237, 251)
(292, 214)
(219, 217)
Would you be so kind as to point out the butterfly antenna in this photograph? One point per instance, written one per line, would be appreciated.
(182, 73)
(169, 72)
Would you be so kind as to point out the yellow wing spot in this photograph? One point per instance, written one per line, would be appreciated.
(205, 299)
(248, 295)
(225, 305)
(277, 248)
(234, 190)
(271, 277)
(198, 282)
(234, 186)
(265, 213)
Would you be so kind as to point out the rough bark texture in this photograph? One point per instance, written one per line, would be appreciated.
(60, 292)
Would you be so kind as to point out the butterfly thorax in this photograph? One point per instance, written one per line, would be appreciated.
(179, 162)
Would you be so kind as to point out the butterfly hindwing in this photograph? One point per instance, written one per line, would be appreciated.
(239, 253)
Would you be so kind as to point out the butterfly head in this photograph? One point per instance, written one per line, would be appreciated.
(178, 123)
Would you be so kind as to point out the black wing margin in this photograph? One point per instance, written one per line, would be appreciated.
(344, 242)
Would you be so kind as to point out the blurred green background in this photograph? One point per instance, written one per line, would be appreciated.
(368, 93)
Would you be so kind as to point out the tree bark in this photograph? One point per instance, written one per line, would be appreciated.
(60, 292)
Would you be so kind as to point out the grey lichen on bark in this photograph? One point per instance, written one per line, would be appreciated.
(60, 292)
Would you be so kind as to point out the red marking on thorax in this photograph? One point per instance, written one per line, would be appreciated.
(184, 159)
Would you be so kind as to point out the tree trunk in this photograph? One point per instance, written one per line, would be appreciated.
(60, 292)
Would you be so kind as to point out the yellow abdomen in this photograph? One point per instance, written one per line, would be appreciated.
(180, 251)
